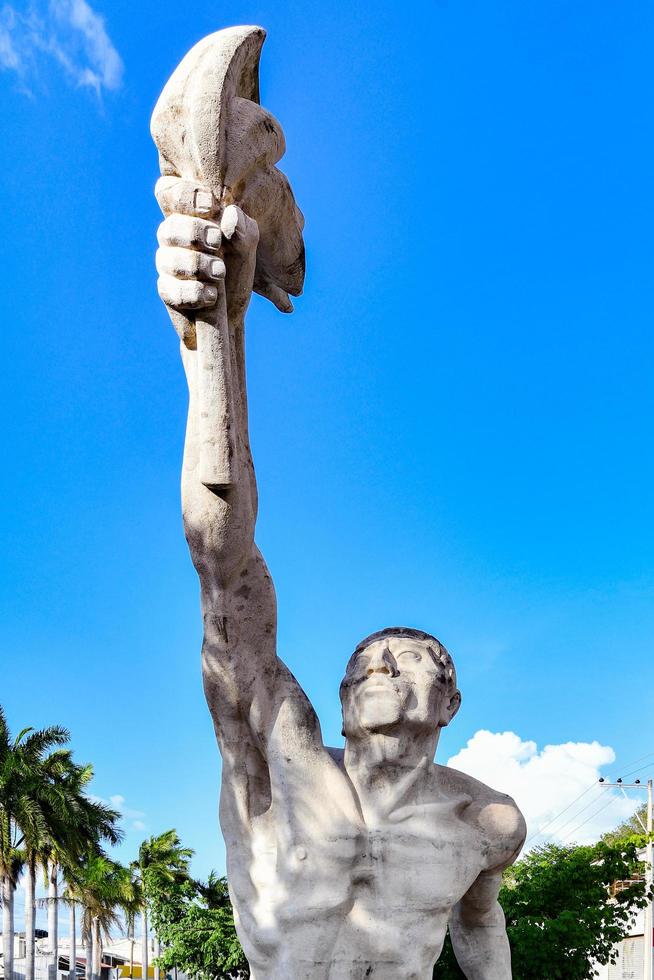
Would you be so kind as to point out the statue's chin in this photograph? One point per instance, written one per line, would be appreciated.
(379, 709)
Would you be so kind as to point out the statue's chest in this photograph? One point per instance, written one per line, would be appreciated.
(342, 889)
(426, 860)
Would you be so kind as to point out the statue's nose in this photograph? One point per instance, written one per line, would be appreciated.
(383, 663)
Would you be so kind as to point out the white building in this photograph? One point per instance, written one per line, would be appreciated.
(630, 964)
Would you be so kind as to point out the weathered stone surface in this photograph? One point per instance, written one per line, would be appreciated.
(346, 863)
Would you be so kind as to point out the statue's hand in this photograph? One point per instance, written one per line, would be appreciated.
(199, 246)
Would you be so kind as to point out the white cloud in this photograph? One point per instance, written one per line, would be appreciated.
(105, 68)
(9, 57)
(69, 33)
(556, 788)
(135, 817)
(129, 814)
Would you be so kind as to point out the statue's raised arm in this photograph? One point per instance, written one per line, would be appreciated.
(231, 227)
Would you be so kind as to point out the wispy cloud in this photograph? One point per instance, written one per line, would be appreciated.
(67, 33)
(556, 787)
(9, 57)
(134, 818)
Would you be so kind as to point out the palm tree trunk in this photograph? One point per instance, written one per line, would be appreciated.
(8, 927)
(92, 956)
(53, 919)
(144, 945)
(30, 909)
(157, 951)
(97, 950)
(72, 949)
(86, 942)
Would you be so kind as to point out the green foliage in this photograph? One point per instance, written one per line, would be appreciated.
(105, 891)
(633, 827)
(30, 802)
(560, 915)
(447, 967)
(559, 910)
(162, 862)
(195, 925)
(45, 812)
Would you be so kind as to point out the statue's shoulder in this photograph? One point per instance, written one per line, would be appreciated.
(495, 814)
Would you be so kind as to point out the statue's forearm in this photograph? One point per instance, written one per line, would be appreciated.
(219, 524)
(481, 945)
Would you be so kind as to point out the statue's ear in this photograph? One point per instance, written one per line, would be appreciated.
(450, 709)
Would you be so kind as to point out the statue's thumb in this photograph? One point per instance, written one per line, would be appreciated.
(184, 327)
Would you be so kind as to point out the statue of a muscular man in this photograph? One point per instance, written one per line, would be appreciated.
(343, 864)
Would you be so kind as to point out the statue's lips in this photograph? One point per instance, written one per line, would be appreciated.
(378, 687)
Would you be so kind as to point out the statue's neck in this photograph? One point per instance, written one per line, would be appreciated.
(384, 767)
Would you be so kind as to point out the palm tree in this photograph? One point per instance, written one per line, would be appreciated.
(70, 822)
(46, 820)
(26, 814)
(162, 861)
(88, 824)
(13, 864)
(105, 890)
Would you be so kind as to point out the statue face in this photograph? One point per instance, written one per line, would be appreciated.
(396, 680)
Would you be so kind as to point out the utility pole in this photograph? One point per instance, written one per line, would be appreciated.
(649, 877)
(648, 926)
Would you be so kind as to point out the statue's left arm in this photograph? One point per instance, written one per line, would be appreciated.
(478, 931)
(477, 925)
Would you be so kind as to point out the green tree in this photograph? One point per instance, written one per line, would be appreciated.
(30, 813)
(88, 825)
(560, 913)
(162, 863)
(47, 819)
(195, 924)
(73, 825)
(633, 827)
(106, 893)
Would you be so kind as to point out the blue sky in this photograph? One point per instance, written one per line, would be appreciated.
(453, 431)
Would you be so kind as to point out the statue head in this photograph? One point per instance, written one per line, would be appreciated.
(399, 677)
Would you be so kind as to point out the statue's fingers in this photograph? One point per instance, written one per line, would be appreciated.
(241, 231)
(178, 196)
(186, 232)
(276, 295)
(183, 263)
(186, 294)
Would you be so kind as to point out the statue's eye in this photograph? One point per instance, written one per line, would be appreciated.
(408, 655)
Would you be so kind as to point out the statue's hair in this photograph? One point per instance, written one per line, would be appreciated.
(437, 651)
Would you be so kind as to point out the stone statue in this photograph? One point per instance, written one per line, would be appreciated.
(343, 864)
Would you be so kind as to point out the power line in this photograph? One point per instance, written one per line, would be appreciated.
(565, 810)
(640, 758)
(634, 771)
(557, 830)
(539, 833)
(575, 816)
(588, 819)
